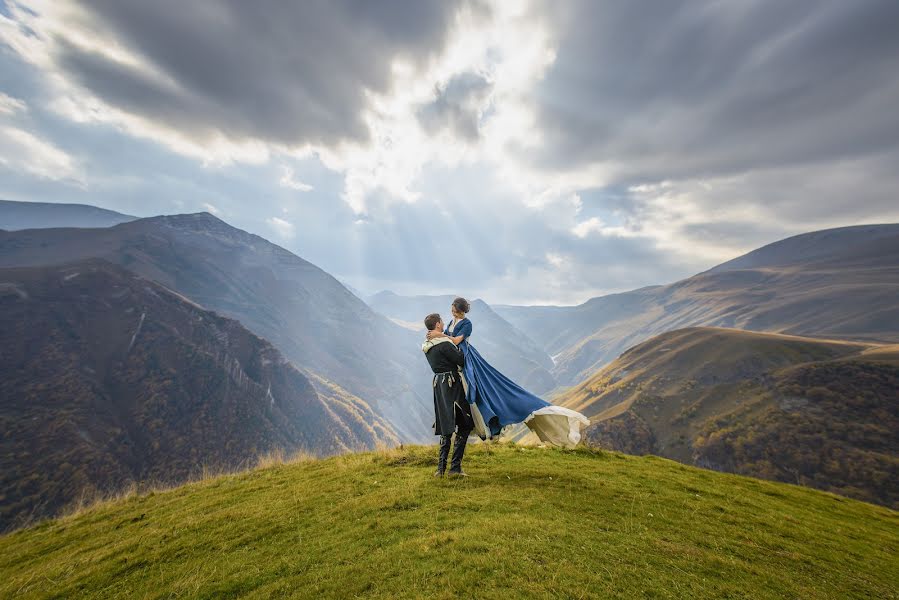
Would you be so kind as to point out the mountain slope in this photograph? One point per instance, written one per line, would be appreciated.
(828, 246)
(822, 413)
(840, 283)
(527, 523)
(306, 313)
(107, 378)
(504, 346)
(41, 215)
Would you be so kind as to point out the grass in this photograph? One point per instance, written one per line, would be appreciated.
(528, 522)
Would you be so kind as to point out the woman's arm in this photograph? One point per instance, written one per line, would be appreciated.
(436, 334)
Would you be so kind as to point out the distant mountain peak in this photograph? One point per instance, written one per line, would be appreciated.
(196, 221)
(207, 223)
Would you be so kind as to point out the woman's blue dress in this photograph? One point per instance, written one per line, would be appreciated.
(501, 401)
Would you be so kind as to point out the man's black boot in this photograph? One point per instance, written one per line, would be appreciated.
(444, 454)
(458, 452)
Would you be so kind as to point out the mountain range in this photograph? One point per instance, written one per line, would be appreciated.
(839, 283)
(731, 406)
(306, 313)
(111, 379)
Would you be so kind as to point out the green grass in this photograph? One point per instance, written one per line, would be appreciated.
(528, 522)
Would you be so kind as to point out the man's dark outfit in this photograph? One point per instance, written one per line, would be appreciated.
(451, 409)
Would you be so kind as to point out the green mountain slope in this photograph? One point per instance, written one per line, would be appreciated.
(526, 523)
(822, 413)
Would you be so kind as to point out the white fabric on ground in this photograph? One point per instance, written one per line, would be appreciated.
(557, 425)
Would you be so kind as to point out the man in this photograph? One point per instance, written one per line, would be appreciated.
(451, 410)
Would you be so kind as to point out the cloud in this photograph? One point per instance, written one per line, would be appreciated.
(289, 180)
(10, 105)
(713, 219)
(284, 229)
(584, 228)
(457, 106)
(649, 92)
(21, 150)
(212, 209)
(217, 73)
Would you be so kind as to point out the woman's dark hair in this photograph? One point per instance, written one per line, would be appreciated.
(432, 320)
(462, 305)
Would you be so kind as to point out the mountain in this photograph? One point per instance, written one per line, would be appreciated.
(821, 413)
(527, 523)
(502, 344)
(107, 378)
(302, 310)
(840, 283)
(842, 245)
(42, 215)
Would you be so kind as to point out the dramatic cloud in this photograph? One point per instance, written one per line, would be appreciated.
(654, 91)
(292, 74)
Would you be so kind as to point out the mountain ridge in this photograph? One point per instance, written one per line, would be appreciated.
(110, 379)
(300, 308)
(16, 215)
(845, 290)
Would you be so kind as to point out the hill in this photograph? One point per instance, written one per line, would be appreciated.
(829, 246)
(302, 310)
(508, 349)
(526, 523)
(39, 215)
(817, 412)
(107, 378)
(840, 283)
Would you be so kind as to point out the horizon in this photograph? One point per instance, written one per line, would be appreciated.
(523, 152)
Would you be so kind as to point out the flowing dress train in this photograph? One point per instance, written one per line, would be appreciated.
(497, 401)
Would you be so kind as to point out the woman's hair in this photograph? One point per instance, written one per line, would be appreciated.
(462, 305)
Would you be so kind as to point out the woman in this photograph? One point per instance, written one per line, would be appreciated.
(497, 401)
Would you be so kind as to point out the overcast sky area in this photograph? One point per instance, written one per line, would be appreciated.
(520, 152)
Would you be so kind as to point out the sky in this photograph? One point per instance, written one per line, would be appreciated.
(522, 152)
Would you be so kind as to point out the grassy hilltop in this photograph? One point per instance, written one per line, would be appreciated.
(528, 522)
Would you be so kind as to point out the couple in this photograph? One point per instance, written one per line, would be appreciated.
(470, 395)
